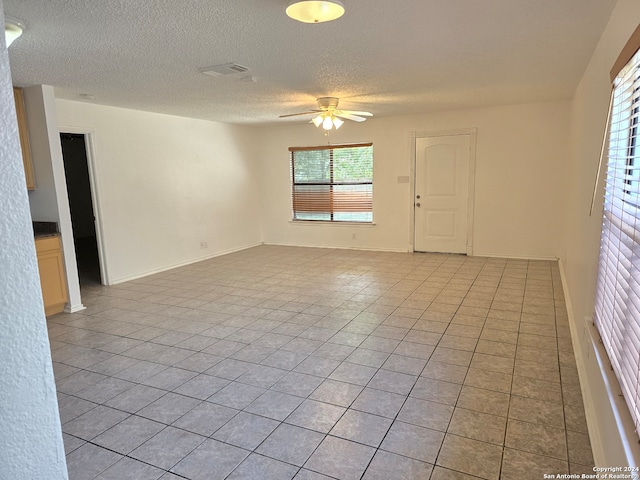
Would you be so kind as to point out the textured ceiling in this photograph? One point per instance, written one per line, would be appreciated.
(391, 57)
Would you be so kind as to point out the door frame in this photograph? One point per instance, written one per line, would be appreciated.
(472, 132)
(95, 196)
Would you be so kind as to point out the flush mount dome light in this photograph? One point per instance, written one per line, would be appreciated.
(12, 29)
(315, 11)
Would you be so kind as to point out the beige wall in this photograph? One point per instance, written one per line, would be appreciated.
(612, 435)
(165, 184)
(49, 201)
(168, 183)
(520, 155)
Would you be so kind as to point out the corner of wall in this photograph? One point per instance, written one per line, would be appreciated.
(31, 437)
(50, 202)
(611, 429)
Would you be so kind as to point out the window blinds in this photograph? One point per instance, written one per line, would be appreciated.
(332, 183)
(617, 309)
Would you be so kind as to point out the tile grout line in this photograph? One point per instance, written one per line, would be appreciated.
(404, 296)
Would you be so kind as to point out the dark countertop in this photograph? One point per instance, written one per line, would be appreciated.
(45, 229)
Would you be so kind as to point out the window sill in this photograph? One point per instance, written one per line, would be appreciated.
(340, 224)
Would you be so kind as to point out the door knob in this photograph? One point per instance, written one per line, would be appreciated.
(418, 197)
(418, 204)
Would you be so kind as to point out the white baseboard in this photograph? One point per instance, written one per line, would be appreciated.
(514, 257)
(182, 264)
(74, 308)
(589, 410)
(339, 247)
(410, 250)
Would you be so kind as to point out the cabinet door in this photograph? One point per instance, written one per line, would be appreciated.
(54, 290)
(52, 274)
(24, 138)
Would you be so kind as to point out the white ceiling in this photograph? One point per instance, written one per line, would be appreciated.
(391, 57)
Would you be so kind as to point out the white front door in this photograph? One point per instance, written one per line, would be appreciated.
(442, 193)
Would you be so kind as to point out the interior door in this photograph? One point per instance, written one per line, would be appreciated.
(441, 193)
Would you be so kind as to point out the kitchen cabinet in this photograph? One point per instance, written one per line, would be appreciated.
(24, 138)
(52, 275)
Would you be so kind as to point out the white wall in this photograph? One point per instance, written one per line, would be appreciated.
(520, 155)
(49, 201)
(42, 200)
(165, 184)
(30, 435)
(612, 435)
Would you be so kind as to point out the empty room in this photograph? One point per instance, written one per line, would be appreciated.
(315, 240)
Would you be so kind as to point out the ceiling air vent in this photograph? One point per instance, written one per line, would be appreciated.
(226, 69)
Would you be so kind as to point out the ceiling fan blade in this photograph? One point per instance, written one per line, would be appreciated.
(362, 114)
(301, 113)
(348, 116)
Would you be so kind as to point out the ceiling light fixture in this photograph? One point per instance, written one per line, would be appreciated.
(12, 29)
(315, 11)
(329, 116)
(327, 120)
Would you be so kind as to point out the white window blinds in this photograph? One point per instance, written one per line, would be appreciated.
(617, 310)
(332, 183)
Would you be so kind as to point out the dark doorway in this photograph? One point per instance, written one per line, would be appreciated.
(76, 171)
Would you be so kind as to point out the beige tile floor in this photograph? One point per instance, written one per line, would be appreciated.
(283, 362)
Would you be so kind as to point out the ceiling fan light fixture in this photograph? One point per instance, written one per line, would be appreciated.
(315, 11)
(329, 116)
(317, 120)
(12, 29)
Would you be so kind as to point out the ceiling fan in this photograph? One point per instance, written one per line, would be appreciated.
(329, 116)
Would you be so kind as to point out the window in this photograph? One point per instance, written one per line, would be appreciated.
(617, 311)
(332, 183)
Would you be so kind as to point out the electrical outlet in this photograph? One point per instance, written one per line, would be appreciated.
(353, 236)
